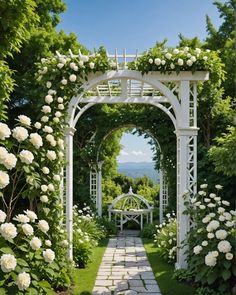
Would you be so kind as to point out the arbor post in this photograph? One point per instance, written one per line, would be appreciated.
(69, 132)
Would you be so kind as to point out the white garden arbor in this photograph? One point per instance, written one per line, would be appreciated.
(175, 94)
(96, 175)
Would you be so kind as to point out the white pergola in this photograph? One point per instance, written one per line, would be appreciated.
(96, 177)
(175, 94)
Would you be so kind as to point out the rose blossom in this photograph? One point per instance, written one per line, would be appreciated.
(91, 65)
(8, 262)
(22, 218)
(48, 255)
(51, 187)
(224, 246)
(210, 235)
(3, 154)
(4, 179)
(27, 229)
(20, 133)
(47, 129)
(31, 214)
(8, 231)
(72, 78)
(36, 140)
(44, 187)
(229, 256)
(10, 161)
(5, 131)
(3, 216)
(44, 199)
(46, 109)
(35, 243)
(221, 234)
(43, 226)
(44, 119)
(63, 81)
(45, 170)
(23, 281)
(204, 185)
(210, 259)
(189, 62)
(61, 106)
(197, 249)
(24, 120)
(213, 225)
(204, 243)
(51, 155)
(26, 157)
(56, 177)
(48, 243)
(218, 186)
(180, 62)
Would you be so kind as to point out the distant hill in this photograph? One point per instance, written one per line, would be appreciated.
(135, 170)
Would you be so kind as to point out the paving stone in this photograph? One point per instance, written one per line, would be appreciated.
(138, 289)
(101, 290)
(153, 288)
(103, 283)
(135, 283)
(150, 282)
(128, 292)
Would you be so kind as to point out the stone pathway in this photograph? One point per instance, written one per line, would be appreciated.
(125, 269)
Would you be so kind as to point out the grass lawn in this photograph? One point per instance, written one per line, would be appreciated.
(84, 279)
(163, 273)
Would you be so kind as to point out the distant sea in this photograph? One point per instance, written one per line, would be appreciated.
(139, 169)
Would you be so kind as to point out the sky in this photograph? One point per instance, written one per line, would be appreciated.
(136, 24)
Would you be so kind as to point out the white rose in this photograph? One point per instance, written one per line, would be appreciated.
(157, 61)
(64, 243)
(63, 81)
(204, 185)
(224, 246)
(233, 212)
(49, 84)
(46, 109)
(51, 187)
(50, 137)
(204, 243)
(221, 210)
(176, 51)
(58, 114)
(72, 78)
(61, 106)
(81, 63)
(91, 65)
(47, 129)
(51, 155)
(212, 214)
(221, 234)
(227, 215)
(43, 226)
(8, 262)
(36, 140)
(48, 99)
(27, 229)
(197, 249)
(44, 199)
(202, 207)
(218, 186)
(84, 58)
(207, 200)
(72, 65)
(5, 131)
(193, 58)
(221, 218)
(60, 65)
(10, 161)
(35, 243)
(172, 66)
(197, 50)
(180, 62)
(210, 205)
(229, 256)
(61, 143)
(60, 100)
(56, 120)
(163, 62)
(150, 60)
(62, 60)
(212, 195)
(48, 243)
(31, 214)
(48, 255)
(56, 177)
(8, 231)
(44, 188)
(22, 218)
(202, 193)
(20, 133)
(23, 281)
(45, 170)
(26, 157)
(3, 154)
(229, 223)
(217, 199)
(206, 219)
(213, 225)
(44, 119)
(205, 58)
(168, 55)
(61, 155)
(24, 120)
(210, 235)
(3, 216)
(189, 62)
(210, 260)
(226, 203)
(4, 179)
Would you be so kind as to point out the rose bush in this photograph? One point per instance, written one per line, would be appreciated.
(165, 238)
(211, 241)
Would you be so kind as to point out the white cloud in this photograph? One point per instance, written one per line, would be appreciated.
(138, 153)
(123, 153)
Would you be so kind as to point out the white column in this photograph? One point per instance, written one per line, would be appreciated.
(99, 187)
(161, 197)
(186, 180)
(69, 132)
(151, 217)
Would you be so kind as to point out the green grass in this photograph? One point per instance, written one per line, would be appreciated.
(84, 279)
(163, 273)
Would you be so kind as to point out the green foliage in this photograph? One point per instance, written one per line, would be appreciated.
(211, 241)
(185, 275)
(224, 153)
(109, 227)
(148, 231)
(165, 238)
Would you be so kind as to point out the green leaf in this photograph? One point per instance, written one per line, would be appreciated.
(212, 276)
(227, 264)
(226, 274)
(22, 262)
(7, 250)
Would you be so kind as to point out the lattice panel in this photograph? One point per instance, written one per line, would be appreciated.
(165, 192)
(192, 177)
(93, 185)
(193, 105)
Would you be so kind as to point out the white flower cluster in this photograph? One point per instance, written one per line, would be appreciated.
(7, 159)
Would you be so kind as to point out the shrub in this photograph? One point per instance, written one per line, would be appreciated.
(165, 238)
(108, 226)
(211, 242)
(148, 231)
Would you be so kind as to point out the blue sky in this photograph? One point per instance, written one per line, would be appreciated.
(136, 24)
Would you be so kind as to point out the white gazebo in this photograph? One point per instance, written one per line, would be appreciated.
(175, 94)
(128, 207)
